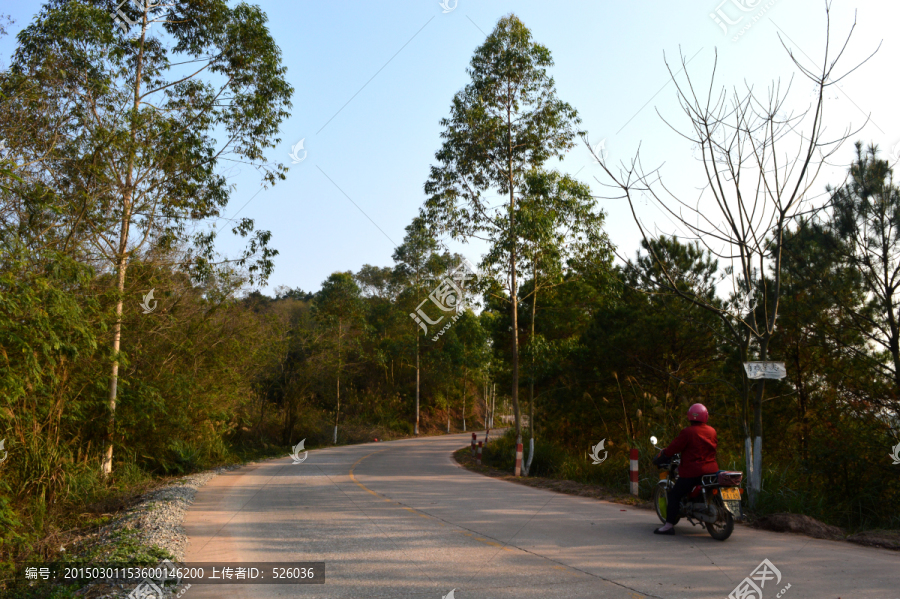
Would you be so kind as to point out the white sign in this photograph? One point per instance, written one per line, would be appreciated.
(765, 370)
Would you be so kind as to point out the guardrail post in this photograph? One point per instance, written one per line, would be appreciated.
(474, 436)
(518, 459)
(634, 471)
(478, 457)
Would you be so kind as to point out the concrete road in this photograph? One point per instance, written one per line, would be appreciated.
(401, 519)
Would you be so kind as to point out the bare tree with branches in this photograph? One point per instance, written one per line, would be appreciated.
(760, 161)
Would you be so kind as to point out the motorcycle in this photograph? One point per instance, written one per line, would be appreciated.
(715, 502)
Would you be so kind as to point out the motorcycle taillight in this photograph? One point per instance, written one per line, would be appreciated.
(730, 478)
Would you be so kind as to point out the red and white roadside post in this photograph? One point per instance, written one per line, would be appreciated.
(473, 443)
(478, 457)
(518, 459)
(634, 471)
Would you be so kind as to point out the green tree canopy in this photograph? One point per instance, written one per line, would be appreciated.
(504, 124)
(141, 138)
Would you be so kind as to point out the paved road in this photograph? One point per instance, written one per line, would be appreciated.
(401, 519)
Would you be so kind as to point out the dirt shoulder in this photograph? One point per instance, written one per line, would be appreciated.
(464, 458)
(782, 522)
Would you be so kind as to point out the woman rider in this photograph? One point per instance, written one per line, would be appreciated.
(697, 446)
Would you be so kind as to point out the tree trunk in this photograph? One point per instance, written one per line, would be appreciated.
(106, 466)
(530, 456)
(888, 293)
(465, 374)
(417, 383)
(493, 402)
(756, 473)
(514, 291)
(531, 379)
(802, 403)
(337, 412)
(754, 457)
(894, 344)
(122, 261)
(629, 427)
(484, 397)
(531, 383)
(515, 349)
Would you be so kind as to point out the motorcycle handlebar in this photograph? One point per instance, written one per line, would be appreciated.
(663, 461)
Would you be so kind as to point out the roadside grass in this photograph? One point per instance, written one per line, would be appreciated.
(783, 492)
(60, 527)
(555, 469)
(569, 487)
(552, 462)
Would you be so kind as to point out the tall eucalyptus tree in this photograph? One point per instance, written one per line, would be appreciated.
(153, 112)
(414, 262)
(507, 122)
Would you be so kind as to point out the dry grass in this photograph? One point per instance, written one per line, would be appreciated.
(464, 458)
(796, 523)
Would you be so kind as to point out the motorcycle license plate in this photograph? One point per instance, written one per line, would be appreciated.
(663, 475)
(731, 494)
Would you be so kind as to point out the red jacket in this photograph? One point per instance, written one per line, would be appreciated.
(697, 446)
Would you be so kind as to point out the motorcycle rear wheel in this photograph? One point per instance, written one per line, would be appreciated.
(660, 502)
(722, 528)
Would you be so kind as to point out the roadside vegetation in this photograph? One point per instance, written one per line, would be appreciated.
(106, 390)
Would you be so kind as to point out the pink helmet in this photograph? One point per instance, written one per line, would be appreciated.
(698, 413)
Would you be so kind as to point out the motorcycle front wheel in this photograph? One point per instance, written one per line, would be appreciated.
(660, 502)
(722, 528)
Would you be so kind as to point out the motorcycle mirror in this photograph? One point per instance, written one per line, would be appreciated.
(653, 441)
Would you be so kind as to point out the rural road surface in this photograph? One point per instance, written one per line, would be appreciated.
(401, 519)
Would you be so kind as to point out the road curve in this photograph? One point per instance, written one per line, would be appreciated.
(402, 519)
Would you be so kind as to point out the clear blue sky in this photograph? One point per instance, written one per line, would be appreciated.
(373, 79)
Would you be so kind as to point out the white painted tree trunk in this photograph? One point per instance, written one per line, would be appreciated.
(753, 461)
(335, 434)
(417, 384)
(756, 481)
(748, 460)
(530, 456)
(493, 402)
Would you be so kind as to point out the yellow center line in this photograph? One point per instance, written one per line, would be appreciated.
(362, 486)
(413, 510)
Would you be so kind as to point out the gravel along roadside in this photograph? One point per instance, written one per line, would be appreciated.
(158, 517)
(150, 530)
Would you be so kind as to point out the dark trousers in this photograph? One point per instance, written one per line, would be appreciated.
(681, 488)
